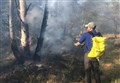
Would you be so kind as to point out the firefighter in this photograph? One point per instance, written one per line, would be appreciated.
(90, 64)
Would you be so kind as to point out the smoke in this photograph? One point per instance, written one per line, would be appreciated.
(52, 3)
(34, 16)
(64, 21)
(56, 40)
(81, 1)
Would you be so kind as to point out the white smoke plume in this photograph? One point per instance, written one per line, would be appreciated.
(55, 40)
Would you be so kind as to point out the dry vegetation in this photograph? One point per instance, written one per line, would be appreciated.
(110, 62)
(67, 69)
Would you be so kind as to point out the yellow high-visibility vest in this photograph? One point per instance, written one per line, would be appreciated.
(98, 47)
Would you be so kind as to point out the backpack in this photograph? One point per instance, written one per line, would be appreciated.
(98, 47)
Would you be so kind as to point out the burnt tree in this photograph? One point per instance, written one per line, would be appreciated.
(24, 29)
(14, 47)
(19, 51)
(41, 37)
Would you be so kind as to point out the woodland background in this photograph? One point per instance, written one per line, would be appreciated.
(37, 37)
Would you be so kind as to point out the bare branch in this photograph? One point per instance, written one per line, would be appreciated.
(27, 9)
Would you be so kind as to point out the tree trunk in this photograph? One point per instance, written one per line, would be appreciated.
(14, 47)
(41, 37)
(24, 30)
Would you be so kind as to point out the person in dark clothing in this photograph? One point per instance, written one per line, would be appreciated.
(90, 64)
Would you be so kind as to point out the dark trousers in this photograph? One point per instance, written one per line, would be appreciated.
(91, 64)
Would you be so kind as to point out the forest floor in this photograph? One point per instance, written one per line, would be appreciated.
(67, 68)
